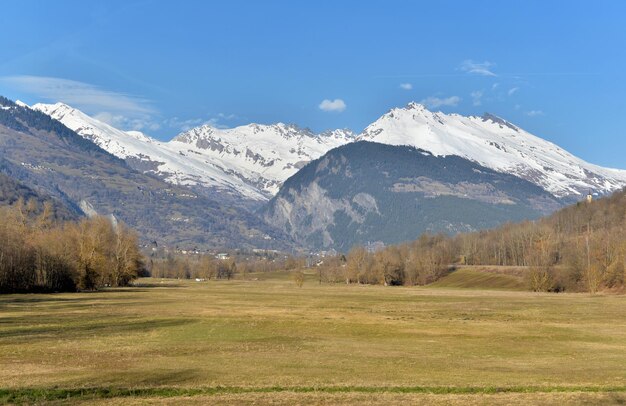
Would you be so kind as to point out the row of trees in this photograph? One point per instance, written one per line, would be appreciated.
(207, 267)
(40, 254)
(201, 267)
(416, 263)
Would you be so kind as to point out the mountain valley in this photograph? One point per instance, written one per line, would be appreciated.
(276, 185)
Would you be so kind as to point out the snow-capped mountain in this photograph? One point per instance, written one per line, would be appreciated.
(147, 154)
(249, 161)
(263, 155)
(497, 144)
(44, 159)
(252, 161)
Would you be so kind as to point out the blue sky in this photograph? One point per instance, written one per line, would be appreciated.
(556, 68)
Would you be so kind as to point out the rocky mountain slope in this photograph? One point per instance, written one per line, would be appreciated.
(262, 155)
(365, 192)
(47, 156)
(11, 191)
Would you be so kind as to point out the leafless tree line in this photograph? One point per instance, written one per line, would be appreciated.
(40, 254)
(208, 267)
(579, 248)
(416, 263)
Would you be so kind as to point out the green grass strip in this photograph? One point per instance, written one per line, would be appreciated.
(37, 395)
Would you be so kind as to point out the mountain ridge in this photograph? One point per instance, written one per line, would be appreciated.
(228, 160)
(147, 154)
(250, 162)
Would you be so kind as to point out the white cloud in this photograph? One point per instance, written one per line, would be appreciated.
(535, 113)
(188, 124)
(336, 105)
(512, 90)
(495, 86)
(406, 86)
(118, 109)
(434, 102)
(184, 124)
(478, 68)
(477, 97)
(226, 116)
(79, 94)
(127, 123)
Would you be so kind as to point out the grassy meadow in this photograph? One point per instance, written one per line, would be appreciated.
(264, 340)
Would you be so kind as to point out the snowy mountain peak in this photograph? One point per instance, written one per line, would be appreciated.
(56, 109)
(251, 131)
(107, 137)
(415, 106)
(343, 134)
(496, 144)
(500, 121)
(412, 109)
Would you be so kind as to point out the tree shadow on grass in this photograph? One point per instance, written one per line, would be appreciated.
(155, 379)
(41, 298)
(45, 303)
(77, 297)
(165, 377)
(155, 285)
(45, 296)
(100, 327)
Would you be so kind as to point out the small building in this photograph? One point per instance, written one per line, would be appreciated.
(589, 197)
(375, 246)
(222, 256)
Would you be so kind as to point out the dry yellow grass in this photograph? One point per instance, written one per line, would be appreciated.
(269, 333)
(290, 398)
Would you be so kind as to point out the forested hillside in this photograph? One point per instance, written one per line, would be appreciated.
(579, 248)
(366, 191)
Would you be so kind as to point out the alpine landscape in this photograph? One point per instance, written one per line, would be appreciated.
(312, 203)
